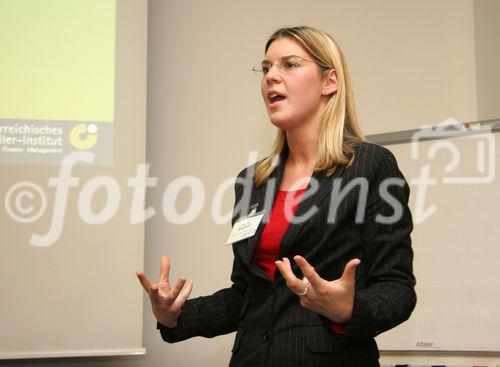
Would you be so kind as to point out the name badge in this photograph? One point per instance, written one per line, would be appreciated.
(245, 227)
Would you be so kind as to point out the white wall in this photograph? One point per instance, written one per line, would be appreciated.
(487, 29)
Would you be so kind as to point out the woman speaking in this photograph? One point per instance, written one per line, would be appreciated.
(321, 228)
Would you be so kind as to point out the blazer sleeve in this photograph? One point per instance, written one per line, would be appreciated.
(385, 295)
(209, 316)
(215, 314)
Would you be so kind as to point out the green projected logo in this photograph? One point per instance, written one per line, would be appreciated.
(83, 137)
(57, 71)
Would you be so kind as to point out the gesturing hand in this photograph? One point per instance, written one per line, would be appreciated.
(332, 299)
(166, 302)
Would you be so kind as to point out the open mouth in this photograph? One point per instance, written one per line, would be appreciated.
(275, 98)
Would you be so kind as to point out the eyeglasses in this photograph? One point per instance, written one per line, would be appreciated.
(286, 65)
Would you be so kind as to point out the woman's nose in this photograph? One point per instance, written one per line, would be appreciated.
(273, 74)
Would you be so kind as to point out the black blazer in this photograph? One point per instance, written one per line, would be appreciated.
(273, 329)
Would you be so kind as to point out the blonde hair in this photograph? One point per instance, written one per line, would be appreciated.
(339, 125)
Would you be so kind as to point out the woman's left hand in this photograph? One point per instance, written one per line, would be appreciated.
(332, 299)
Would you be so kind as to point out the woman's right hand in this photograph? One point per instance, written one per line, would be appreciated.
(166, 302)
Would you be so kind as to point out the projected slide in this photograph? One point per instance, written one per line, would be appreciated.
(57, 79)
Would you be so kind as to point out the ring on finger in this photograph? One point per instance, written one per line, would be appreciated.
(303, 294)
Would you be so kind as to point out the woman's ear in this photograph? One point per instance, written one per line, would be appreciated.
(331, 83)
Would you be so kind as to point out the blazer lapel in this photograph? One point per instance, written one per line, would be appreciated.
(313, 197)
(264, 198)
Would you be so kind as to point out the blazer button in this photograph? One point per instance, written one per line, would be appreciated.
(267, 335)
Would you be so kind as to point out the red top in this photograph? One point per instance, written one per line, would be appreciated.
(268, 248)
